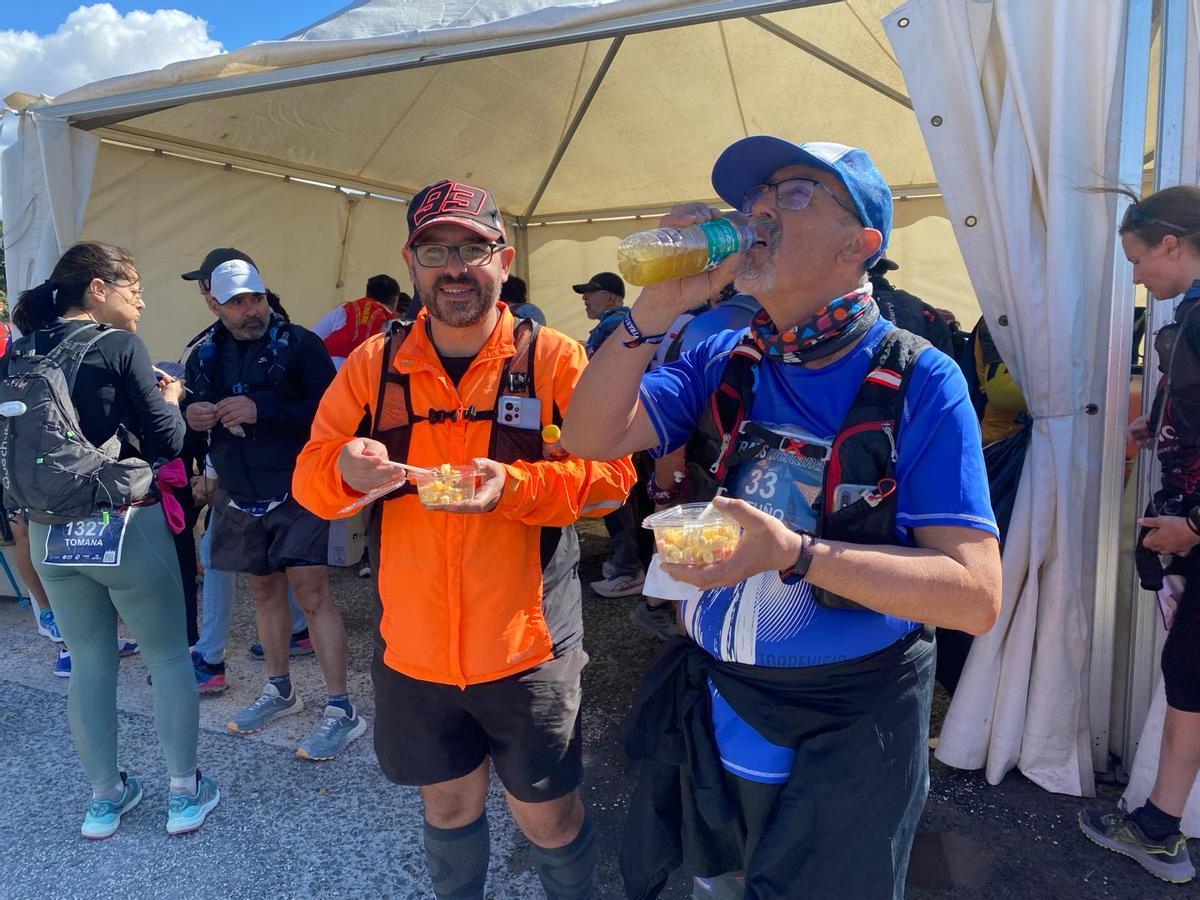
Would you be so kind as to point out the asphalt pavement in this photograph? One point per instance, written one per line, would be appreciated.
(287, 828)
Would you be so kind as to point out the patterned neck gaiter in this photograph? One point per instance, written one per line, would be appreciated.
(832, 327)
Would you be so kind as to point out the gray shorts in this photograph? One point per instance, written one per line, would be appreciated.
(289, 535)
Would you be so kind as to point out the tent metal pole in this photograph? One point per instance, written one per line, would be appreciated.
(830, 60)
(351, 203)
(1145, 634)
(576, 121)
(1119, 329)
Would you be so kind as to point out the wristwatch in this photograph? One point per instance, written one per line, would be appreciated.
(799, 569)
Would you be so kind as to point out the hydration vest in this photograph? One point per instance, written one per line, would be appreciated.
(270, 370)
(394, 415)
(365, 317)
(863, 451)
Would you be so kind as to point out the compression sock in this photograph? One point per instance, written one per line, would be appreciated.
(185, 785)
(457, 859)
(342, 702)
(566, 872)
(1155, 823)
(283, 684)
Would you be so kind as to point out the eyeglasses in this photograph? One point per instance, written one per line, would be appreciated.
(134, 289)
(791, 193)
(433, 256)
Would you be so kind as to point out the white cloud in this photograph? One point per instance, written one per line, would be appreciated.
(98, 42)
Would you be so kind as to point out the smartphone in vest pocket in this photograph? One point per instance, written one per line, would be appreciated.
(519, 412)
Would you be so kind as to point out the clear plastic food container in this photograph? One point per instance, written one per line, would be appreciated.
(693, 534)
(445, 484)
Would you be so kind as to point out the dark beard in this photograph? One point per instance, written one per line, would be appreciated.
(459, 316)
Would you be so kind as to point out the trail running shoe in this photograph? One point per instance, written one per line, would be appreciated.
(335, 733)
(656, 620)
(62, 665)
(299, 646)
(104, 816)
(210, 678)
(126, 648)
(620, 585)
(186, 813)
(1167, 859)
(47, 627)
(259, 714)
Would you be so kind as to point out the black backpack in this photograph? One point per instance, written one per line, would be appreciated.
(47, 466)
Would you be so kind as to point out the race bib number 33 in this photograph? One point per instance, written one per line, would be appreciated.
(784, 481)
(94, 541)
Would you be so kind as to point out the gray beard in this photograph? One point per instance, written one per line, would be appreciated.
(752, 276)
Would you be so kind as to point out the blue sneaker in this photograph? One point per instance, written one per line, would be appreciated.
(47, 627)
(335, 733)
(270, 705)
(186, 813)
(126, 648)
(104, 816)
(62, 665)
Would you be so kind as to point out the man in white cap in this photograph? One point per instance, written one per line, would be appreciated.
(255, 381)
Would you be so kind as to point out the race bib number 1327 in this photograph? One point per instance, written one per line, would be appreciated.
(94, 541)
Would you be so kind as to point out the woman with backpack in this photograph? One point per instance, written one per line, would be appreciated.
(1161, 237)
(116, 556)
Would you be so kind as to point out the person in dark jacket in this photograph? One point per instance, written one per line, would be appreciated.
(255, 383)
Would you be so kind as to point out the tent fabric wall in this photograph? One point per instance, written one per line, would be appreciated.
(1019, 128)
(47, 180)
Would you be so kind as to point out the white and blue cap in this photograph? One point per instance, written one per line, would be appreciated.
(235, 277)
(753, 160)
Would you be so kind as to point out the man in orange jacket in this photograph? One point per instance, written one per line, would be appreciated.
(479, 623)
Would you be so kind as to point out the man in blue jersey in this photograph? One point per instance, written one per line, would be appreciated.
(784, 742)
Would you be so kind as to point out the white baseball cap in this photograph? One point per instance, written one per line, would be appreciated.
(235, 277)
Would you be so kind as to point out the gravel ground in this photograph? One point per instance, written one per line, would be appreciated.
(288, 828)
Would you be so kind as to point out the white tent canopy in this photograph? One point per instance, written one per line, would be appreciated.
(578, 117)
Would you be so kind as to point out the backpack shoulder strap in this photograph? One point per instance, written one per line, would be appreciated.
(517, 379)
(71, 350)
(392, 400)
(729, 405)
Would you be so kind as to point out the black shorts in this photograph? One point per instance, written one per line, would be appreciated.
(528, 723)
(1181, 653)
(287, 536)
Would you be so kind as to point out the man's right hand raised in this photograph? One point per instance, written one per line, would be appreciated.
(364, 465)
(660, 304)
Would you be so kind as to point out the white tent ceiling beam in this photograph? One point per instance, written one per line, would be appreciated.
(1168, 152)
(1116, 389)
(106, 110)
(576, 120)
(830, 60)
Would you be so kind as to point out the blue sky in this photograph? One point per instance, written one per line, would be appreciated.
(234, 24)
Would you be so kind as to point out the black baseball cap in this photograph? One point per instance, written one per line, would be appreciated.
(602, 281)
(457, 203)
(883, 264)
(214, 259)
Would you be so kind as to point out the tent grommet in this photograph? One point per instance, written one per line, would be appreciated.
(970, 221)
(1002, 321)
(1092, 408)
(936, 121)
(902, 23)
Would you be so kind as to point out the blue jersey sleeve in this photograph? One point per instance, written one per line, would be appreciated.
(940, 471)
(674, 394)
